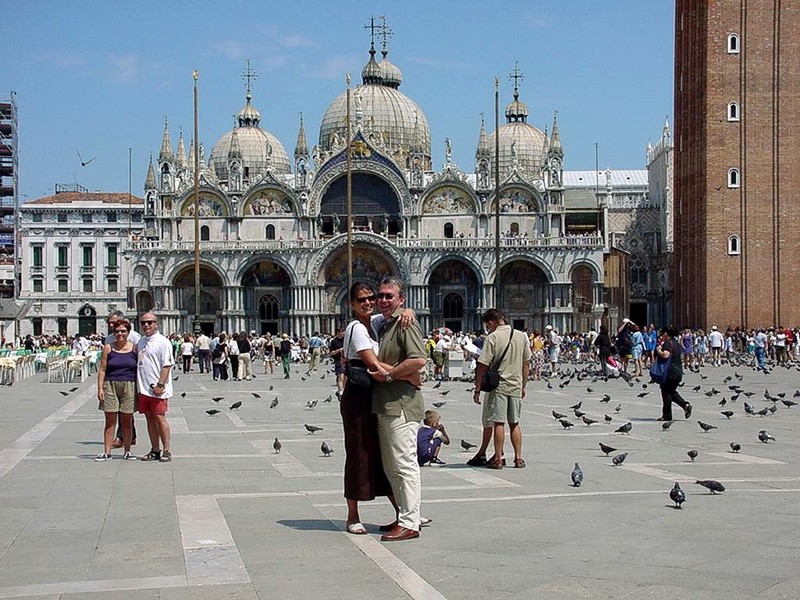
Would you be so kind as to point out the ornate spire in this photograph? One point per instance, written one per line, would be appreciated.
(517, 110)
(181, 158)
(301, 147)
(249, 115)
(166, 145)
(150, 181)
(371, 73)
(234, 152)
(191, 155)
(483, 140)
(555, 138)
(666, 133)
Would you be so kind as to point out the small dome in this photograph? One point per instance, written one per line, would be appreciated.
(392, 76)
(528, 143)
(253, 144)
(372, 72)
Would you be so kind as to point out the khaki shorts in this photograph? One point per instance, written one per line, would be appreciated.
(438, 359)
(119, 396)
(499, 408)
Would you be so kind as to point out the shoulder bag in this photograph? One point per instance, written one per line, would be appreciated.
(356, 370)
(491, 376)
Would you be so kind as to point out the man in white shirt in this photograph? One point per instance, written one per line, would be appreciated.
(154, 381)
(204, 352)
(715, 341)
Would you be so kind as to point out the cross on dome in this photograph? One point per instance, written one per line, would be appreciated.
(516, 76)
(249, 75)
(385, 32)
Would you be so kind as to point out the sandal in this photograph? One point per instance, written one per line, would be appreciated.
(494, 464)
(356, 529)
(519, 463)
(494, 459)
(479, 460)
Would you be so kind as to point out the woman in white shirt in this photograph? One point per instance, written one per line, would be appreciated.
(187, 352)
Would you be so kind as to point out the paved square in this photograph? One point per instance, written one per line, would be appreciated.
(230, 518)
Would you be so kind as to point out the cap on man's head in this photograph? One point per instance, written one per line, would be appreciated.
(285, 335)
(548, 326)
(713, 328)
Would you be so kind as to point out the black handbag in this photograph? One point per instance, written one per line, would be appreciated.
(356, 371)
(491, 376)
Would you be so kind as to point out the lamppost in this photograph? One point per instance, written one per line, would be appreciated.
(197, 329)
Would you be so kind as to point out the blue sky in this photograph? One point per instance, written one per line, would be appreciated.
(99, 76)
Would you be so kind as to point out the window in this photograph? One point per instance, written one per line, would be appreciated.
(61, 217)
(62, 286)
(37, 325)
(733, 178)
(87, 255)
(87, 284)
(638, 275)
(112, 285)
(733, 43)
(62, 256)
(448, 230)
(204, 233)
(38, 286)
(111, 258)
(515, 229)
(270, 232)
(62, 323)
(87, 217)
(137, 217)
(36, 217)
(111, 217)
(37, 255)
(734, 245)
(733, 111)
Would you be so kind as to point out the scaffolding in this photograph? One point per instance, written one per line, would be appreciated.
(9, 195)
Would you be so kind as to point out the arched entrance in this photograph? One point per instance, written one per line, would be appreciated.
(582, 297)
(211, 295)
(454, 295)
(375, 206)
(523, 294)
(87, 320)
(267, 295)
(144, 302)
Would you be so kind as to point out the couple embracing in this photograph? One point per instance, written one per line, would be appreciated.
(381, 418)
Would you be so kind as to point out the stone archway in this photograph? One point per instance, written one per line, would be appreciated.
(212, 292)
(523, 294)
(454, 295)
(583, 297)
(266, 288)
(87, 320)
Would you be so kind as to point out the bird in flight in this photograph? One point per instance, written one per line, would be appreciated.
(84, 162)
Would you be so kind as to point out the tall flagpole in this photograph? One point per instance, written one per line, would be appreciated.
(496, 191)
(349, 135)
(195, 75)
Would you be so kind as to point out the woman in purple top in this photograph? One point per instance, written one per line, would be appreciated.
(116, 389)
(687, 347)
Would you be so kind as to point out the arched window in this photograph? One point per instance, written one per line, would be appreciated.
(448, 230)
(734, 245)
(733, 111)
(269, 308)
(733, 43)
(734, 179)
(270, 232)
(204, 233)
(514, 229)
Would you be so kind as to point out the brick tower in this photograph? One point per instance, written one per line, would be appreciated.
(737, 142)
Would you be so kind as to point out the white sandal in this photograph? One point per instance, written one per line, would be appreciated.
(356, 529)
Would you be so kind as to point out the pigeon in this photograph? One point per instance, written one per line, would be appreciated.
(773, 409)
(796, 394)
(577, 476)
(212, 412)
(789, 403)
(735, 446)
(235, 405)
(312, 428)
(666, 425)
(63, 393)
(437, 386)
(606, 398)
(624, 428)
(326, 450)
(312, 404)
(183, 394)
(677, 495)
(706, 427)
(618, 408)
(711, 485)
(748, 409)
(566, 424)
(727, 413)
(619, 459)
(765, 436)
(763, 412)
(606, 449)
(579, 414)
(439, 404)
(276, 445)
(642, 394)
(444, 393)
(576, 406)
(274, 402)
(272, 387)
(323, 376)
(696, 388)
(255, 395)
(176, 378)
(692, 454)
(607, 419)
(467, 446)
(589, 390)
(75, 389)
(749, 394)
(588, 421)
(723, 402)
(558, 415)
(218, 398)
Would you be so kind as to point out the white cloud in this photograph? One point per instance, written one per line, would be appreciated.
(123, 69)
(230, 48)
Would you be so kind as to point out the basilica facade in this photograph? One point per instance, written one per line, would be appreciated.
(272, 225)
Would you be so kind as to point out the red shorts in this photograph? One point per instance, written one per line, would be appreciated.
(150, 405)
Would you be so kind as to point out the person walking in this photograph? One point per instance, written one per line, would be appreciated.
(245, 372)
(670, 349)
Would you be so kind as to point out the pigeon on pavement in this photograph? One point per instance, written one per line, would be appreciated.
(706, 427)
(619, 459)
(677, 495)
(326, 449)
(312, 428)
(692, 454)
(735, 446)
(765, 436)
(577, 476)
(606, 449)
(276, 445)
(235, 405)
(467, 446)
(711, 485)
(624, 428)
(212, 412)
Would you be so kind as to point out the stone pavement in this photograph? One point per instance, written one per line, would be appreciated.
(228, 518)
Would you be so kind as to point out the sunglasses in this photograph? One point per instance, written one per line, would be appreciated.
(148, 322)
(364, 299)
(121, 332)
(385, 296)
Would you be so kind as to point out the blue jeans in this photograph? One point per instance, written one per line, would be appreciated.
(760, 357)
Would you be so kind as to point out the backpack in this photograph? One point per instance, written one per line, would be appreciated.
(217, 352)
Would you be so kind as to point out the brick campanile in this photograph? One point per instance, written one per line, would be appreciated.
(737, 163)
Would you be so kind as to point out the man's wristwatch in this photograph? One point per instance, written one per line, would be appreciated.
(160, 385)
(388, 377)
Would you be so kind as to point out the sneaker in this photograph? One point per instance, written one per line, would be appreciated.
(102, 457)
(687, 412)
(437, 462)
(129, 456)
(166, 456)
(152, 455)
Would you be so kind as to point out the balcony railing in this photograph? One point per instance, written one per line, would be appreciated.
(583, 242)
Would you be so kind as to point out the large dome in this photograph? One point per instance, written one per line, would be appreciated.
(252, 144)
(387, 113)
(520, 143)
